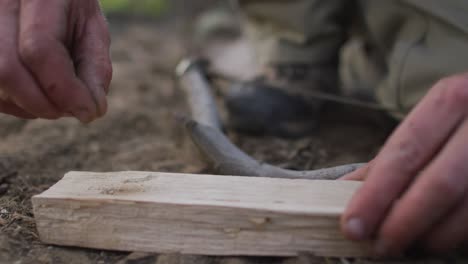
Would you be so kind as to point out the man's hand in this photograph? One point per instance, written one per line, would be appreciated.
(54, 59)
(416, 189)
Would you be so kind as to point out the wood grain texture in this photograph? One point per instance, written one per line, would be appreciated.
(196, 214)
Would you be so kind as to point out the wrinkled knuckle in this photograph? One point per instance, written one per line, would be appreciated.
(409, 150)
(453, 91)
(33, 49)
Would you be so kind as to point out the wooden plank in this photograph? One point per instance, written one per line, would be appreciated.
(196, 214)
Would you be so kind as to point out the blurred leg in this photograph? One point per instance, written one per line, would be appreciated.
(420, 42)
(297, 44)
(297, 31)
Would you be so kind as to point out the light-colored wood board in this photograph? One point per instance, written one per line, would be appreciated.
(196, 214)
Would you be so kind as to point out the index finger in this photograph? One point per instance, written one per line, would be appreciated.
(16, 83)
(405, 154)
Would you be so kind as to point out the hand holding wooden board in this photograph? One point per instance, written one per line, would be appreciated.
(196, 214)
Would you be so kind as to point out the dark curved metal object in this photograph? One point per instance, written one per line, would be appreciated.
(205, 130)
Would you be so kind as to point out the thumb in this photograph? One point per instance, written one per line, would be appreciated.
(92, 57)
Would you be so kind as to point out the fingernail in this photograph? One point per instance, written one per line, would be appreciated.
(355, 228)
(382, 248)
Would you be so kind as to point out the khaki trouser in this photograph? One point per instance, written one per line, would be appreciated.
(398, 48)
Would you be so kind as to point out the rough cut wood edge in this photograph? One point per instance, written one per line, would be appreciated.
(196, 214)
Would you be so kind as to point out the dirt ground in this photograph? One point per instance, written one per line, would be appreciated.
(139, 133)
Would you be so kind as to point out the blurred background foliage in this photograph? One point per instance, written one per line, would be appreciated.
(152, 8)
